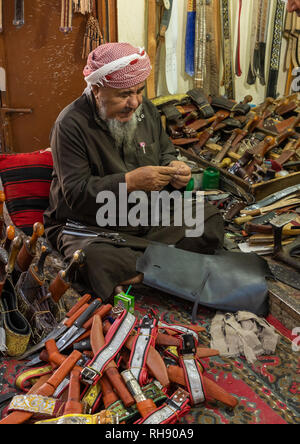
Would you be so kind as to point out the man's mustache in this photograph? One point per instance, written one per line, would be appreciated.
(127, 110)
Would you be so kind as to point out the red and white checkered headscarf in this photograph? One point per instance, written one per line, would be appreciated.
(117, 65)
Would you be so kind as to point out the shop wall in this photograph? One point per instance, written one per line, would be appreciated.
(132, 29)
(44, 66)
(43, 69)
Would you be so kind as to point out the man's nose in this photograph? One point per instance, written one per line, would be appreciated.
(134, 101)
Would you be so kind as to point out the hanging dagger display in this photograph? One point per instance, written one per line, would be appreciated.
(66, 16)
(19, 20)
(1, 16)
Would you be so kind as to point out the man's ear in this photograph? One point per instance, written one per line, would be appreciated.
(95, 90)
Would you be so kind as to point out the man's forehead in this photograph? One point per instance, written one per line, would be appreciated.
(132, 89)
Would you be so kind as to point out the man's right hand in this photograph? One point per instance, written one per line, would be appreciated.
(149, 178)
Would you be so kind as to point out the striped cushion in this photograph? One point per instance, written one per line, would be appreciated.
(26, 179)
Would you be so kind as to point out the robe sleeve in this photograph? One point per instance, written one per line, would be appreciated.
(79, 186)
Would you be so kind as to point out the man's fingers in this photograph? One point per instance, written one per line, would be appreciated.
(184, 171)
(170, 171)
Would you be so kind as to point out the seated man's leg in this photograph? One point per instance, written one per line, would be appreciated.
(106, 265)
(211, 239)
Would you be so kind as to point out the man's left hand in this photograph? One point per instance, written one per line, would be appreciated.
(183, 174)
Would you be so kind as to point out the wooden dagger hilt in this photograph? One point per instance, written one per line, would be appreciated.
(59, 375)
(189, 117)
(38, 231)
(111, 370)
(62, 282)
(207, 134)
(73, 404)
(247, 99)
(28, 250)
(263, 111)
(15, 249)
(77, 261)
(2, 201)
(108, 393)
(39, 267)
(10, 235)
(145, 406)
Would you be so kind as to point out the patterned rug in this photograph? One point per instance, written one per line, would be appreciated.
(267, 392)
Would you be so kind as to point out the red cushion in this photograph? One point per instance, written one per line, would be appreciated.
(26, 179)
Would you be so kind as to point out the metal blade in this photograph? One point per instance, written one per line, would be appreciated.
(66, 337)
(54, 334)
(282, 220)
(72, 339)
(261, 220)
(269, 200)
(285, 275)
(33, 361)
(62, 341)
(78, 323)
(2, 79)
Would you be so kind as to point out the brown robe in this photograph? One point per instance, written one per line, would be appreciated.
(86, 161)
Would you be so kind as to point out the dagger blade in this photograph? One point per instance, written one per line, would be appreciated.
(76, 327)
(58, 331)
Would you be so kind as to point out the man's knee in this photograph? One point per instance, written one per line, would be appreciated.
(212, 237)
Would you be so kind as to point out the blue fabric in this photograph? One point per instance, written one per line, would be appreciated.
(190, 44)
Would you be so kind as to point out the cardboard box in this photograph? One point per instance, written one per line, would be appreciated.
(126, 301)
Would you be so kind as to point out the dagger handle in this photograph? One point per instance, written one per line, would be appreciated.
(38, 231)
(61, 283)
(85, 299)
(28, 250)
(117, 382)
(263, 110)
(214, 391)
(144, 405)
(10, 235)
(39, 268)
(73, 404)
(76, 315)
(59, 375)
(77, 261)
(220, 156)
(58, 287)
(247, 99)
(46, 389)
(189, 117)
(15, 249)
(87, 313)
(55, 358)
(256, 228)
(111, 371)
(84, 345)
(2, 200)
(103, 311)
(109, 396)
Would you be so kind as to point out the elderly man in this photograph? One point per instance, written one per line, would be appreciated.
(112, 136)
(293, 5)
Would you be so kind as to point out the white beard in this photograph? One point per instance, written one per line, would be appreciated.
(122, 132)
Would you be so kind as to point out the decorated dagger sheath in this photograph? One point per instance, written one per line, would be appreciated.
(19, 14)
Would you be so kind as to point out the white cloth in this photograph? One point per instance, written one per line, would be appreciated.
(242, 333)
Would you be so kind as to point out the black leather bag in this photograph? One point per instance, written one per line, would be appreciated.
(225, 281)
